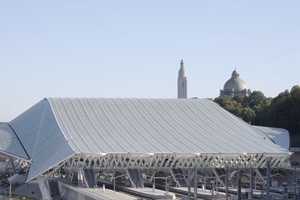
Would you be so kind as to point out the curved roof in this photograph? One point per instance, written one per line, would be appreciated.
(235, 83)
(279, 135)
(152, 125)
(56, 129)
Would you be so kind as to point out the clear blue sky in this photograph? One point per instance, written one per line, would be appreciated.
(126, 48)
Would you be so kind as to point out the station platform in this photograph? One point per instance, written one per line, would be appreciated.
(102, 193)
(220, 193)
(151, 193)
(72, 192)
(207, 194)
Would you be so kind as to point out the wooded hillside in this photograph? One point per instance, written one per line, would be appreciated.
(282, 111)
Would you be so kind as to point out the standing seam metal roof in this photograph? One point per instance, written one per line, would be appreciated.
(153, 125)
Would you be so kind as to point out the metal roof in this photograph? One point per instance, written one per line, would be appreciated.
(10, 144)
(55, 129)
(279, 135)
(155, 125)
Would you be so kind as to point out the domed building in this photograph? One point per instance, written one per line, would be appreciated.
(235, 86)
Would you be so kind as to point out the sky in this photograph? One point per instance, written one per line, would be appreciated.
(133, 48)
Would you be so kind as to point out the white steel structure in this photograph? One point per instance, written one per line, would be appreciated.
(146, 134)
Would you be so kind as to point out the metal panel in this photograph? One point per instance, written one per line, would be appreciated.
(9, 143)
(27, 125)
(156, 125)
(51, 147)
(41, 136)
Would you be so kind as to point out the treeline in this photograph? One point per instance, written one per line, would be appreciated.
(282, 111)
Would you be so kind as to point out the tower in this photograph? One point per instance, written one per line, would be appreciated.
(182, 82)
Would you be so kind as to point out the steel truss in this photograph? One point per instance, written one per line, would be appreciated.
(166, 161)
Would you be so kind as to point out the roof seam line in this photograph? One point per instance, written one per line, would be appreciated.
(19, 141)
(38, 133)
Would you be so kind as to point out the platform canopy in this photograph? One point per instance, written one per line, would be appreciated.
(115, 133)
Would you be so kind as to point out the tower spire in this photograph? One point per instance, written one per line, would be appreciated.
(182, 82)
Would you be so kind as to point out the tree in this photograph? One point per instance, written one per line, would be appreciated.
(247, 114)
(283, 112)
(229, 104)
(244, 107)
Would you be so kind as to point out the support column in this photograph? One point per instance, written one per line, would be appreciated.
(195, 183)
(13, 167)
(226, 182)
(166, 186)
(268, 180)
(189, 184)
(153, 186)
(43, 188)
(296, 184)
(10, 189)
(213, 189)
(239, 185)
(251, 184)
